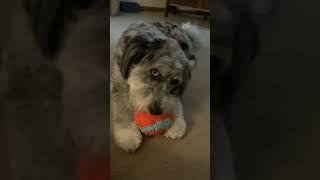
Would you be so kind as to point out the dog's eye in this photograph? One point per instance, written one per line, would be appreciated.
(155, 72)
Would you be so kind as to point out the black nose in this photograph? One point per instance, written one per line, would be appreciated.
(155, 109)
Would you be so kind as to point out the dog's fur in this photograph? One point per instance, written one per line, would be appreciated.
(143, 48)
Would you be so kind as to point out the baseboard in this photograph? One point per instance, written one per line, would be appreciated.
(153, 9)
(189, 9)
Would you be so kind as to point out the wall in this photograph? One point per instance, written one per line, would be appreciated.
(150, 3)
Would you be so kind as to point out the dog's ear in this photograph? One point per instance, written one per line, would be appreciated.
(134, 50)
(193, 33)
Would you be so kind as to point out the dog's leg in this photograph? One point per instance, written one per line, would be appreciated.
(178, 128)
(126, 133)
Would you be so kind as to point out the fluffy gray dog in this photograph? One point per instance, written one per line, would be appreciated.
(153, 67)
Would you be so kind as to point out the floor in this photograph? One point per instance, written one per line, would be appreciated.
(161, 158)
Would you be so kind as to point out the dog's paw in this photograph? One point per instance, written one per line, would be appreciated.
(129, 138)
(177, 130)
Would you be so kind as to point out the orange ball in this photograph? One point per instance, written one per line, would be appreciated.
(153, 124)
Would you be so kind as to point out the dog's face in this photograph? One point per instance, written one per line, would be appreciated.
(156, 70)
(157, 84)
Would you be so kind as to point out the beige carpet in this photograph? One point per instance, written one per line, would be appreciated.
(159, 157)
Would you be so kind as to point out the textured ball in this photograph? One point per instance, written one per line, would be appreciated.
(153, 124)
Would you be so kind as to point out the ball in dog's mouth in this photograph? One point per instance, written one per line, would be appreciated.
(153, 124)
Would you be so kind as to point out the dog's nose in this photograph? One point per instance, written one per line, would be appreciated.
(155, 109)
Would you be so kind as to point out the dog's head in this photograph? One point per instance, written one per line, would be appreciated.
(155, 68)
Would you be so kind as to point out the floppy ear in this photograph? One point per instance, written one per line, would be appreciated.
(134, 50)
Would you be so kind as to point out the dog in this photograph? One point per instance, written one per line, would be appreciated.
(152, 70)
